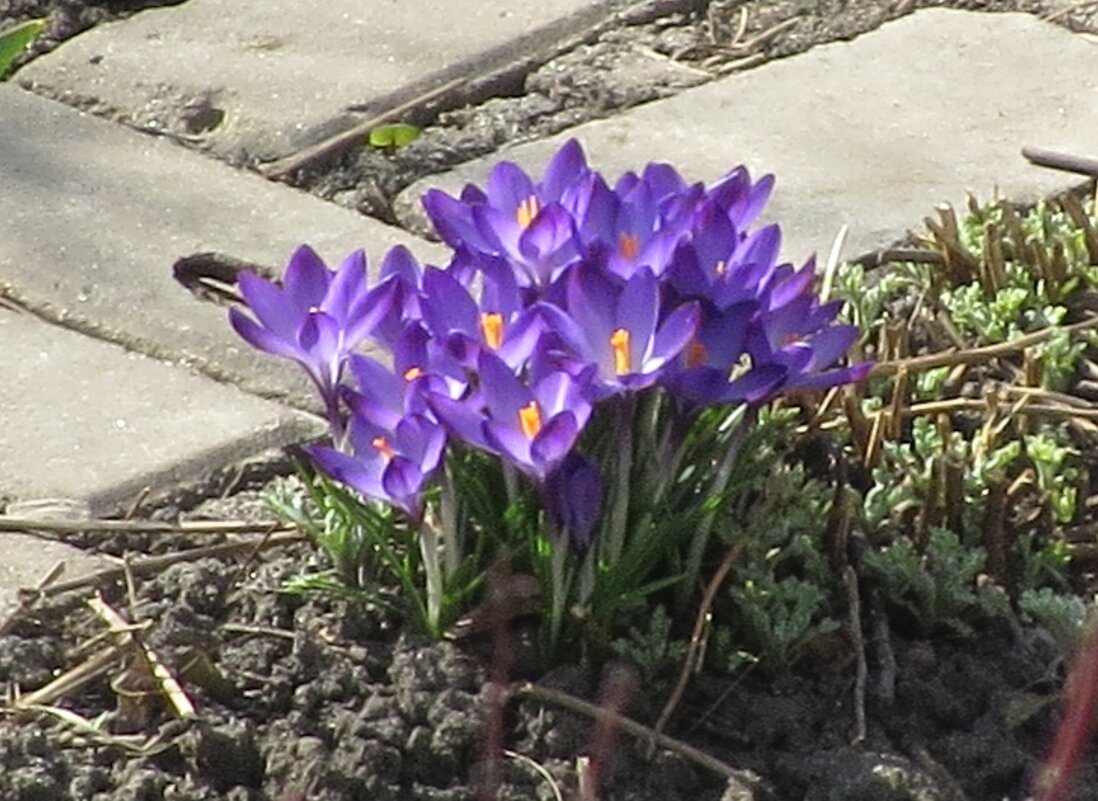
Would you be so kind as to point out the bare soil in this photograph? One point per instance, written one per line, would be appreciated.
(324, 697)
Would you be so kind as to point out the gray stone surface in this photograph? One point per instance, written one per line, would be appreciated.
(25, 559)
(872, 133)
(93, 215)
(285, 72)
(92, 424)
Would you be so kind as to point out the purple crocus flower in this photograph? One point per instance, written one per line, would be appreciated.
(499, 321)
(714, 367)
(532, 226)
(796, 332)
(618, 328)
(317, 317)
(387, 464)
(626, 229)
(534, 427)
(572, 495)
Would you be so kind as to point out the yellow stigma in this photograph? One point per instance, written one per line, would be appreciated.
(412, 373)
(619, 341)
(530, 419)
(382, 444)
(696, 354)
(629, 246)
(491, 328)
(527, 211)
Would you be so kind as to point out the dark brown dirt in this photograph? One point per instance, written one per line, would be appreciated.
(322, 698)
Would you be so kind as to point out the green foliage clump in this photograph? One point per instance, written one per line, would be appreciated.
(937, 585)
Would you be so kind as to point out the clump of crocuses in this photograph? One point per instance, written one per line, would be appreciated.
(541, 393)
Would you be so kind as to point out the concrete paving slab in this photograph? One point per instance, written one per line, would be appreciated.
(93, 215)
(263, 78)
(25, 559)
(872, 133)
(93, 424)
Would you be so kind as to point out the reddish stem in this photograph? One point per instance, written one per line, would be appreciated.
(1072, 738)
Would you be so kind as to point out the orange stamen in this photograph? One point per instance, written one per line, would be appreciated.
(629, 246)
(619, 341)
(527, 211)
(696, 355)
(382, 444)
(491, 328)
(412, 373)
(530, 419)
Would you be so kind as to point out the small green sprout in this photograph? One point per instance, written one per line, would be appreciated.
(14, 41)
(393, 136)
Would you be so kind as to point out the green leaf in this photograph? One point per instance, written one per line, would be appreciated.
(14, 41)
(396, 135)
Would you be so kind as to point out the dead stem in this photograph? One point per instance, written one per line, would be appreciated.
(637, 730)
(181, 705)
(700, 624)
(155, 564)
(850, 577)
(341, 142)
(73, 679)
(32, 524)
(975, 355)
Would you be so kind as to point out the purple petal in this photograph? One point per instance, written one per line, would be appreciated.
(566, 166)
(262, 338)
(347, 286)
(511, 444)
(508, 187)
(400, 263)
(447, 306)
(401, 481)
(462, 419)
(503, 391)
(677, 330)
(831, 344)
(307, 279)
(369, 313)
(638, 312)
(362, 474)
(453, 220)
(574, 492)
(591, 304)
(272, 306)
(551, 231)
(553, 442)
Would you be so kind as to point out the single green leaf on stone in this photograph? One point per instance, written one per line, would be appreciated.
(393, 136)
(14, 41)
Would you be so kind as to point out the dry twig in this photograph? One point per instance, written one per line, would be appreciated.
(638, 730)
(694, 649)
(155, 564)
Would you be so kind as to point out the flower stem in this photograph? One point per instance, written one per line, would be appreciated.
(429, 548)
(448, 510)
(623, 466)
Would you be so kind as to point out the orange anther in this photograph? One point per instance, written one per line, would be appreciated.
(382, 444)
(530, 419)
(527, 211)
(629, 246)
(491, 328)
(619, 341)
